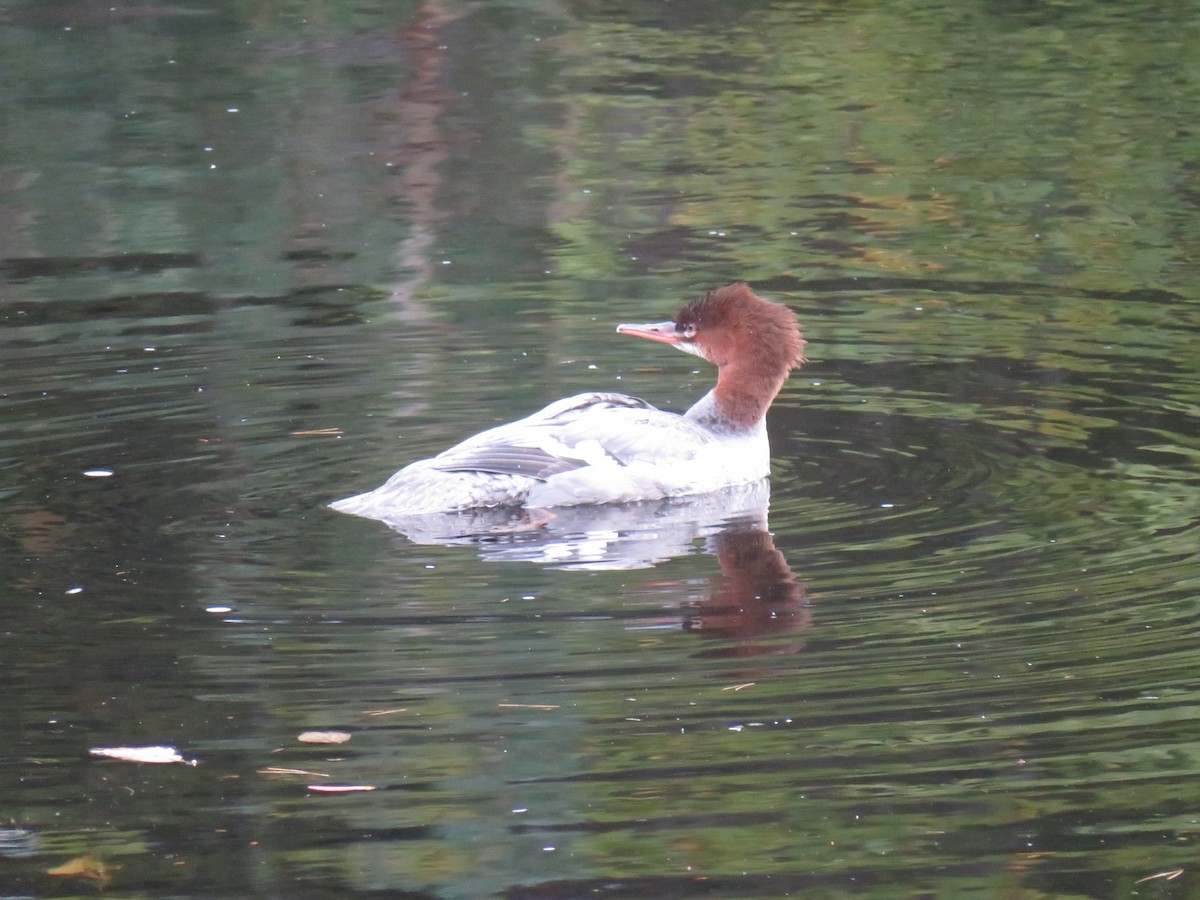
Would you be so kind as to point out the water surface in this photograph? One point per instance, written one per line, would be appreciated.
(254, 260)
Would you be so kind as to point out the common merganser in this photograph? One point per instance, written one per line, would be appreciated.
(612, 448)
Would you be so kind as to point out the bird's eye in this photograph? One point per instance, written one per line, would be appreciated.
(689, 331)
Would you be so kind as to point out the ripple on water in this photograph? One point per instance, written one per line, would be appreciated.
(983, 646)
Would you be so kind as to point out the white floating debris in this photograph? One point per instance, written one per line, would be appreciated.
(98, 473)
(152, 755)
(323, 737)
(78, 589)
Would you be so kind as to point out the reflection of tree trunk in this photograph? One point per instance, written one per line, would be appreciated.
(416, 147)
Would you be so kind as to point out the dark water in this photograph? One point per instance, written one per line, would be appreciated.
(253, 258)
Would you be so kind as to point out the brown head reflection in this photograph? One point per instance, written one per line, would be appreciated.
(755, 596)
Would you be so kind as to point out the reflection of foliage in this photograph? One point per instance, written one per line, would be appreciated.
(874, 143)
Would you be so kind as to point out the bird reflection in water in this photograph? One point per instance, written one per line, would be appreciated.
(755, 597)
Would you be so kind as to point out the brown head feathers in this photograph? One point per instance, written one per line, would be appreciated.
(753, 342)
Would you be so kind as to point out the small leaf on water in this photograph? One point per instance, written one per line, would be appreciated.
(324, 737)
(88, 867)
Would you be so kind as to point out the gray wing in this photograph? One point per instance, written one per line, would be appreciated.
(507, 459)
(572, 433)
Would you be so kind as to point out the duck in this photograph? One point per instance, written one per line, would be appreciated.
(604, 447)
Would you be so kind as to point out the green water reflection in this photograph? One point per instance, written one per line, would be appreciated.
(226, 228)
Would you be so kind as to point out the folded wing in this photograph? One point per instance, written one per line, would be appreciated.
(594, 429)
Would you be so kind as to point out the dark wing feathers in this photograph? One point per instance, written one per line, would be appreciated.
(508, 459)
